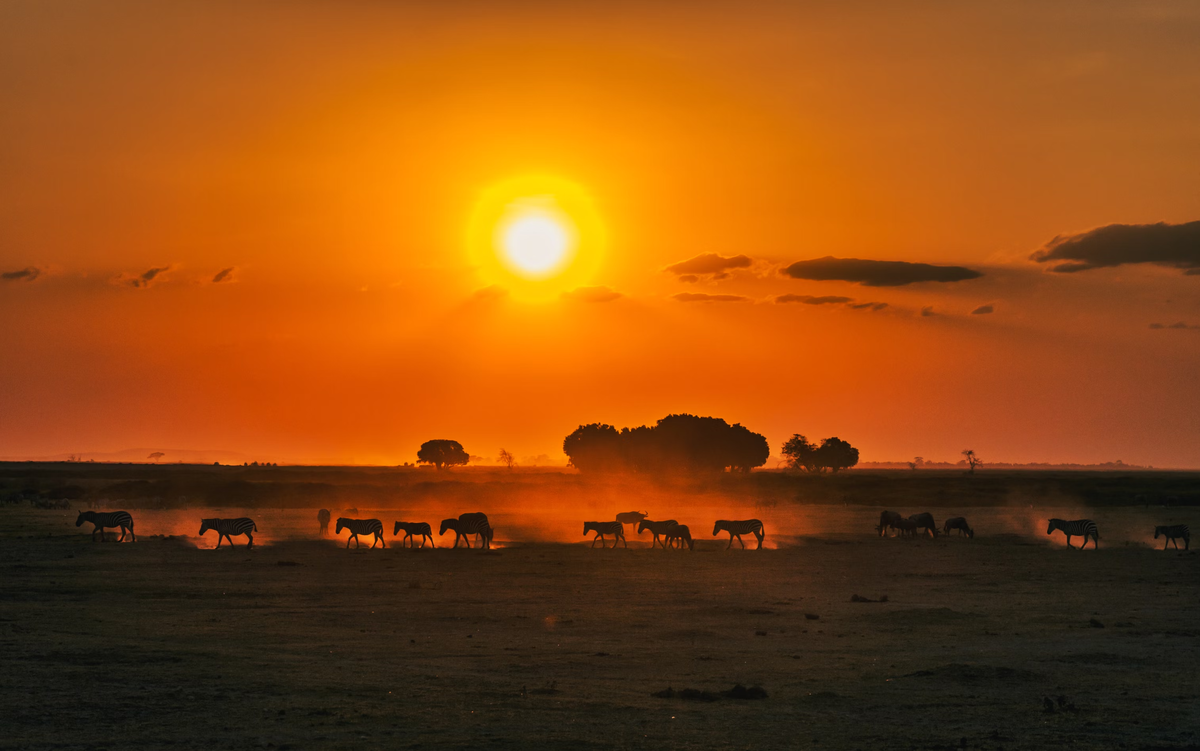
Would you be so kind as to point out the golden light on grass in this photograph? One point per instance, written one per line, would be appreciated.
(537, 236)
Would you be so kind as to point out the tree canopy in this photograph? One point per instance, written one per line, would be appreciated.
(833, 454)
(442, 453)
(676, 443)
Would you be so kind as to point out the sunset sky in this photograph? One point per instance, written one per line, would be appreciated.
(267, 229)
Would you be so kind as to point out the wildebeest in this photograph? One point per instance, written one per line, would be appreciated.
(959, 523)
(323, 519)
(925, 521)
(469, 524)
(1173, 532)
(361, 527)
(631, 517)
(229, 527)
(104, 519)
(739, 528)
(412, 530)
(615, 528)
(888, 520)
(656, 528)
(905, 526)
(683, 536)
(1080, 527)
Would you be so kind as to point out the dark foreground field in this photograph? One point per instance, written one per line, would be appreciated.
(301, 644)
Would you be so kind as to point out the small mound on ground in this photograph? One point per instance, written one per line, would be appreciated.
(692, 694)
(960, 673)
(920, 617)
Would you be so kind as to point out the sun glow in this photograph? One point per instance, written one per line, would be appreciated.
(536, 236)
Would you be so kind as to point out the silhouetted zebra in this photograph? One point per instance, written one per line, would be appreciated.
(230, 527)
(470, 524)
(682, 535)
(414, 528)
(323, 518)
(361, 527)
(959, 523)
(1172, 532)
(104, 519)
(1080, 527)
(739, 528)
(616, 529)
(656, 528)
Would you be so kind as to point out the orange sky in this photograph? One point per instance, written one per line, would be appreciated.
(332, 157)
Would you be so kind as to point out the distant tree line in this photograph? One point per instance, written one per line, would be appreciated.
(832, 454)
(676, 443)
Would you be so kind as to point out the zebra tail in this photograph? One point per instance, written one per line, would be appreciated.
(254, 526)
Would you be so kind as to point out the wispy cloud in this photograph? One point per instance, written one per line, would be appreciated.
(699, 297)
(1179, 325)
(592, 294)
(710, 265)
(1161, 244)
(812, 300)
(27, 274)
(983, 310)
(491, 292)
(876, 273)
(224, 275)
(868, 305)
(144, 279)
(927, 311)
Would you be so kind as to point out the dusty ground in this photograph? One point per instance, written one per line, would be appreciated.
(301, 644)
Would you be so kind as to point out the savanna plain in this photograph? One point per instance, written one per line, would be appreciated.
(1005, 641)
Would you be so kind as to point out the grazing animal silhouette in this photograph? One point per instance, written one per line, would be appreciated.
(656, 528)
(888, 520)
(361, 527)
(616, 529)
(925, 521)
(104, 519)
(323, 518)
(681, 535)
(739, 528)
(959, 523)
(631, 517)
(1173, 532)
(414, 528)
(470, 524)
(906, 527)
(1080, 527)
(229, 527)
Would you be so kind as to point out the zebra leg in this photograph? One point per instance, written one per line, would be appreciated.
(348, 539)
(1069, 542)
(622, 536)
(741, 542)
(249, 544)
(730, 545)
(760, 535)
(219, 537)
(132, 534)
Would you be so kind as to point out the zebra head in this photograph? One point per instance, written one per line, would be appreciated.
(1157, 531)
(721, 524)
(82, 518)
(642, 525)
(448, 524)
(396, 529)
(1054, 524)
(207, 524)
(342, 523)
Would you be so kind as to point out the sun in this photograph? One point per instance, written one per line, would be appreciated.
(537, 236)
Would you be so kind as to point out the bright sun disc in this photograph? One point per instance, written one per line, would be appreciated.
(535, 242)
(536, 236)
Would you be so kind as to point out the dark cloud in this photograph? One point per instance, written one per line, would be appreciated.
(224, 275)
(698, 297)
(1179, 325)
(928, 311)
(1162, 244)
(709, 263)
(983, 310)
(871, 305)
(876, 273)
(146, 278)
(22, 275)
(689, 278)
(811, 300)
(592, 294)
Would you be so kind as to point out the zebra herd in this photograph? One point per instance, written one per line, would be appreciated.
(666, 534)
(670, 533)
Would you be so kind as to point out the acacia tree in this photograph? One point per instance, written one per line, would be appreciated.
(972, 460)
(156, 455)
(442, 453)
(801, 454)
(507, 459)
(833, 454)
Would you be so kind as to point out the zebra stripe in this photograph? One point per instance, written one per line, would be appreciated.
(104, 519)
(1079, 528)
(228, 527)
(616, 529)
(361, 527)
(470, 524)
(739, 528)
(1172, 533)
(414, 528)
(656, 528)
